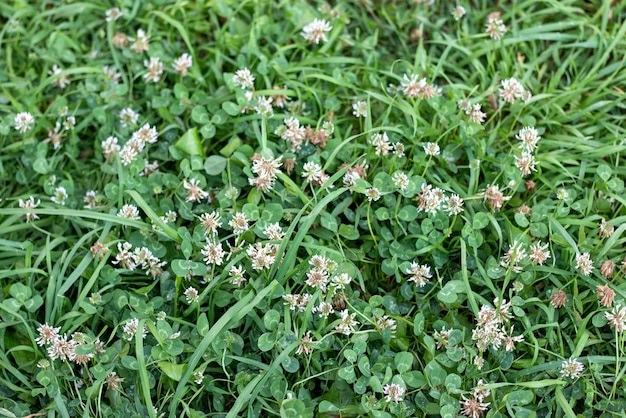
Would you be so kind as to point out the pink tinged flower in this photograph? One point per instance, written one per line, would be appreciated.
(55, 136)
(194, 192)
(155, 69)
(113, 381)
(318, 279)
(473, 407)
(617, 318)
(142, 43)
(476, 115)
(393, 392)
(526, 163)
(146, 134)
(262, 256)
(47, 334)
(315, 31)
(213, 253)
(413, 86)
(513, 89)
(182, 64)
(210, 222)
(62, 349)
(24, 122)
(605, 229)
(306, 344)
(539, 253)
(239, 223)
(495, 198)
(529, 137)
(495, 26)
(293, 132)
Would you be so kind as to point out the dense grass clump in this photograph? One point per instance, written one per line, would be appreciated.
(296, 209)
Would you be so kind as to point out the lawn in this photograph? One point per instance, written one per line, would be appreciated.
(219, 208)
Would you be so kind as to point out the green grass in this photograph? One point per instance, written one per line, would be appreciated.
(249, 321)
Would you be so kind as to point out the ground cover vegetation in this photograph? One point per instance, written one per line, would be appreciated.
(259, 208)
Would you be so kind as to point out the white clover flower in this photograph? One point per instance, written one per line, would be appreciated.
(213, 253)
(194, 191)
(393, 392)
(495, 26)
(373, 194)
(29, 204)
(458, 12)
(61, 81)
(381, 143)
(239, 223)
(584, 264)
(111, 73)
(312, 171)
(113, 14)
(142, 43)
(60, 194)
(571, 368)
(359, 109)
(315, 31)
(130, 329)
(400, 180)
(128, 117)
(264, 107)
(617, 318)
(432, 149)
(155, 69)
(129, 211)
(191, 295)
(24, 122)
(244, 79)
(182, 64)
